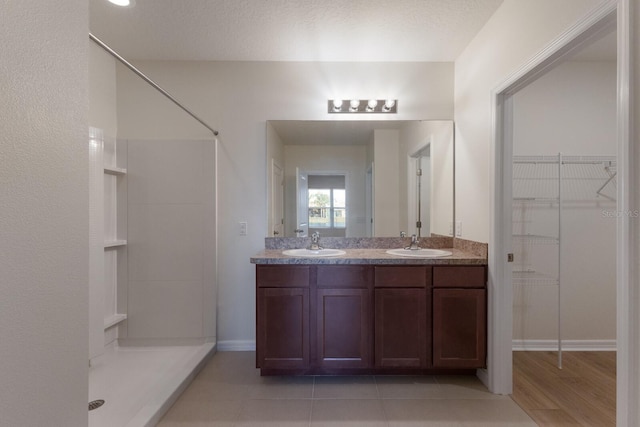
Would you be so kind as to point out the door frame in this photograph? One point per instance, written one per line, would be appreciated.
(277, 192)
(498, 376)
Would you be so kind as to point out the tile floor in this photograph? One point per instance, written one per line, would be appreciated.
(229, 391)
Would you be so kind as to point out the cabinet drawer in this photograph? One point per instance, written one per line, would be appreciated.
(344, 276)
(460, 276)
(282, 276)
(402, 276)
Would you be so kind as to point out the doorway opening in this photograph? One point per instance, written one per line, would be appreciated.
(419, 191)
(501, 279)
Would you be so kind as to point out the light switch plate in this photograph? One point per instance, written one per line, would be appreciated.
(243, 228)
(458, 228)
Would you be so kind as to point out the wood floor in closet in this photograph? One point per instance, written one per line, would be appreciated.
(582, 393)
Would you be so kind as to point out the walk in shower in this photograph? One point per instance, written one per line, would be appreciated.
(152, 246)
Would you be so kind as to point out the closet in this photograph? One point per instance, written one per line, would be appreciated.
(549, 194)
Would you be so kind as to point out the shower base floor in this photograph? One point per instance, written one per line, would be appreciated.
(139, 384)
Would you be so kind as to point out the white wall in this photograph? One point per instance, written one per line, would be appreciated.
(238, 98)
(514, 34)
(44, 225)
(313, 159)
(102, 91)
(572, 110)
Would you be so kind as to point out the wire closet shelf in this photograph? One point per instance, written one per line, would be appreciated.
(542, 187)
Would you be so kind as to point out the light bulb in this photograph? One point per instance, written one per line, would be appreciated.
(337, 104)
(371, 105)
(388, 105)
(120, 2)
(354, 104)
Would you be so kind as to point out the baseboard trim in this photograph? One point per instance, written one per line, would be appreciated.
(567, 345)
(237, 345)
(163, 342)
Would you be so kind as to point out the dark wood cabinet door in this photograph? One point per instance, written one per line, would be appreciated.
(459, 328)
(282, 328)
(344, 322)
(402, 328)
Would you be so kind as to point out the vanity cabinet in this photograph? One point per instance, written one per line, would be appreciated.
(459, 316)
(343, 317)
(402, 316)
(282, 317)
(332, 319)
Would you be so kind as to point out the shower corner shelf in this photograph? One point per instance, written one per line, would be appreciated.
(114, 243)
(113, 320)
(113, 170)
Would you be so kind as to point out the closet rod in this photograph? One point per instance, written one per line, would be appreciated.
(148, 80)
(564, 162)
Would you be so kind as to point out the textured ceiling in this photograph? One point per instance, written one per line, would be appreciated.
(291, 30)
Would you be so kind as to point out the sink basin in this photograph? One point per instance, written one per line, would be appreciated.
(313, 253)
(419, 253)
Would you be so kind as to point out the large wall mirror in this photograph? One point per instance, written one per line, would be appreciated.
(360, 178)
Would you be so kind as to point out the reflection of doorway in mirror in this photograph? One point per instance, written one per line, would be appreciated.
(277, 200)
(369, 201)
(419, 186)
(302, 204)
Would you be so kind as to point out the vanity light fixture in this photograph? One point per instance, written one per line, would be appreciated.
(385, 106)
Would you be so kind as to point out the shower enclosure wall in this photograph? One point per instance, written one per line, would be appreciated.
(153, 257)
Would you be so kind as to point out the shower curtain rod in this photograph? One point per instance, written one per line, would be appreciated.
(148, 80)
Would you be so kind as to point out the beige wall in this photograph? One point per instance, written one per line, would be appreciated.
(635, 191)
(386, 183)
(514, 35)
(44, 225)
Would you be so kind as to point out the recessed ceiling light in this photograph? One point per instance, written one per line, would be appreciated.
(122, 2)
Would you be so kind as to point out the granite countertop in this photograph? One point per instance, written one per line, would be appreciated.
(369, 256)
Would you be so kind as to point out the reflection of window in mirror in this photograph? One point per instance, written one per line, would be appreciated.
(327, 205)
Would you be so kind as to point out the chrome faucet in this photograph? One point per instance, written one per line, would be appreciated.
(414, 246)
(315, 241)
